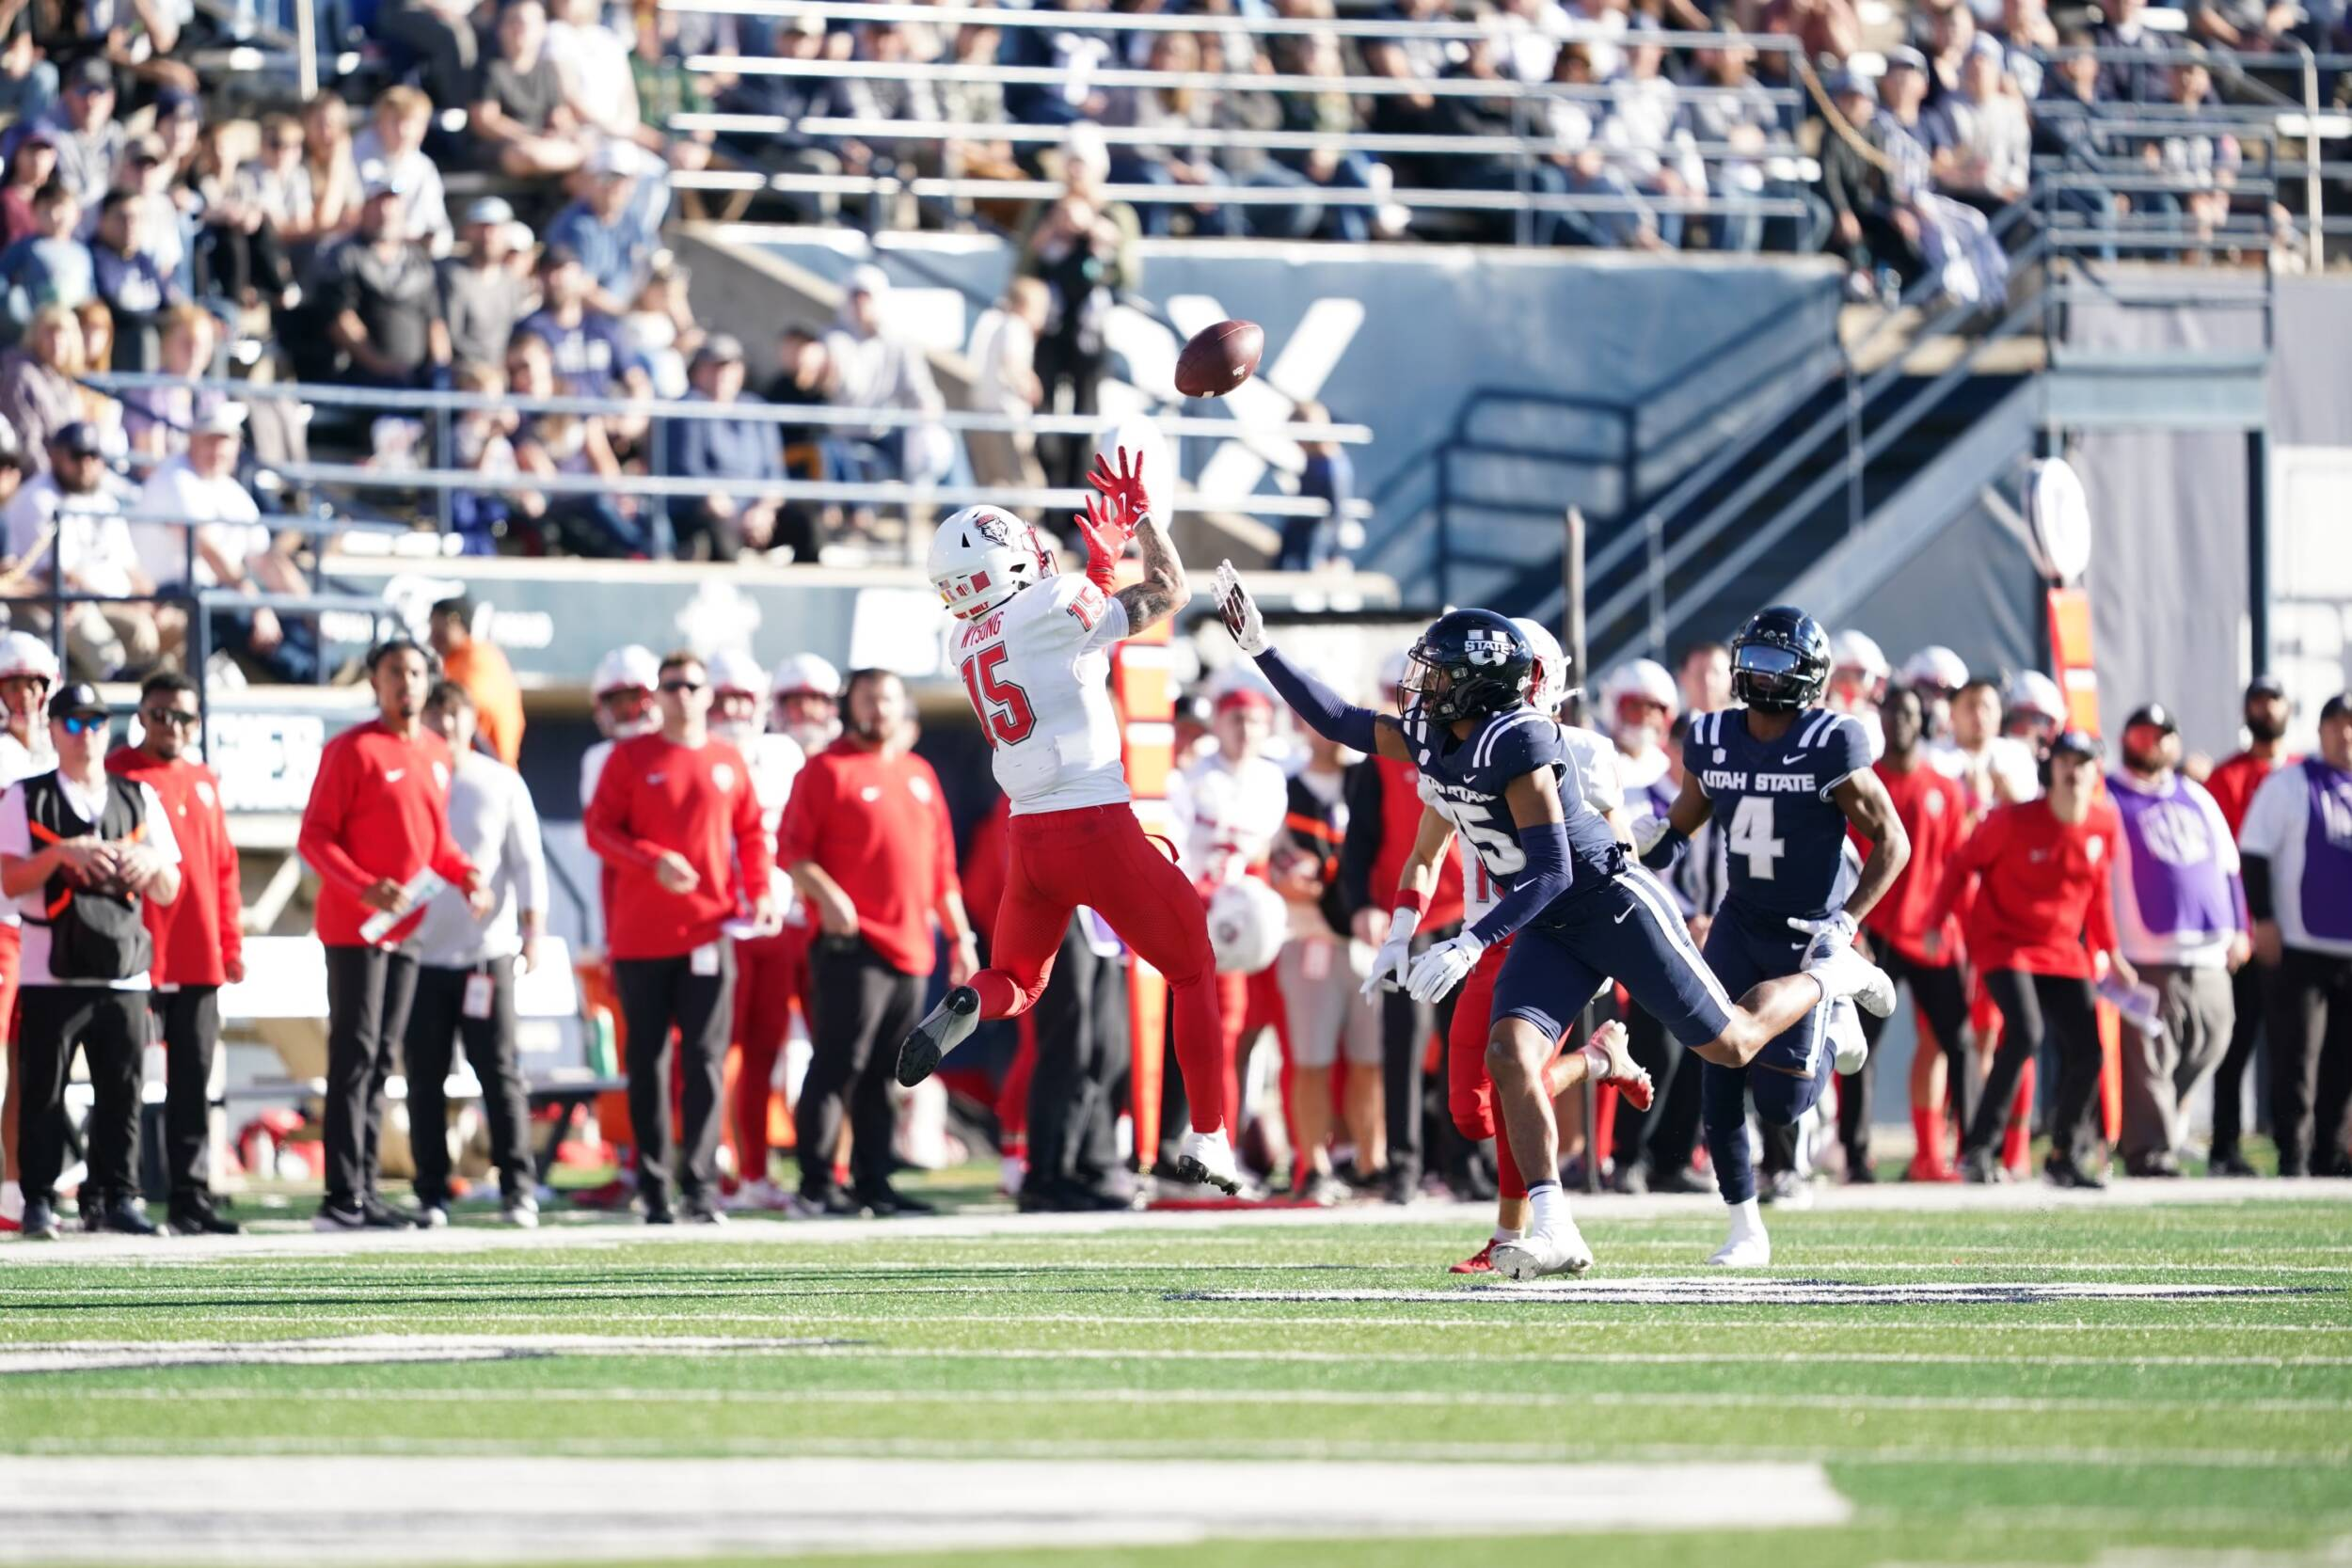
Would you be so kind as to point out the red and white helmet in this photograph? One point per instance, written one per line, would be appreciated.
(1549, 687)
(2031, 692)
(806, 673)
(1644, 678)
(733, 670)
(1854, 650)
(1936, 666)
(983, 556)
(633, 668)
(23, 654)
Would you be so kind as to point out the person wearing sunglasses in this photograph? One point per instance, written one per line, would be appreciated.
(677, 820)
(198, 945)
(28, 668)
(83, 852)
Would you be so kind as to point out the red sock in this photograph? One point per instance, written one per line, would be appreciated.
(1926, 1125)
(1200, 1052)
(1508, 1182)
(2019, 1138)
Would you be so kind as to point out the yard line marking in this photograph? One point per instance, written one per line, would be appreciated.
(1737, 1290)
(373, 1350)
(342, 1509)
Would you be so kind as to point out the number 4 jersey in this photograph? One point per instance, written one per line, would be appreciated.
(1785, 836)
(1038, 669)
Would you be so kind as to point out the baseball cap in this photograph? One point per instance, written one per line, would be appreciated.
(1905, 57)
(381, 179)
(174, 101)
(556, 256)
(720, 345)
(869, 279)
(2153, 714)
(221, 418)
(1244, 696)
(1852, 83)
(92, 73)
(2337, 706)
(2080, 743)
(76, 699)
(490, 209)
(615, 157)
(79, 439)
(2265, 686)
(45, 135)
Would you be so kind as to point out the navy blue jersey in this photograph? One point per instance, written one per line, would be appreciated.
(1785, 837)
(1464, 781)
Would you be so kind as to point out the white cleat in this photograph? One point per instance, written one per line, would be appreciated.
(1751, 1251)
(1208, 1159)
(1845, 972)
(1845, 1033)
(1533, 1257)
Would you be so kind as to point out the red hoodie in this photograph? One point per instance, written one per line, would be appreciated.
(379, 808)
(654, 797)
(1934, 810)
(2045, 906)
(197, 938)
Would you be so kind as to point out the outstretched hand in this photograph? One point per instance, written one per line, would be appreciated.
(1240, 610)
(1107, 539)
(1124, 489)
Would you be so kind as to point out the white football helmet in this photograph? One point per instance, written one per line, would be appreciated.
(1549, 687)
(2034, 692)
(633, 668)
(1644, 678)
(1854, 650)
(732, 670)
(1937, 666)
(23, 654)
(804, 673)
(1248, 924)
(983, 556)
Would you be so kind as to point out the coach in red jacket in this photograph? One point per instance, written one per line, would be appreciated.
(378, 816)
(199, 944)
(676, 819)
(2044, 913)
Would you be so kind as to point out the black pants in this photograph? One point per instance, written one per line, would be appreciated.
(1405, 1029)
(656, 995)
(2310, 1018)
(1937, 1000)
(1082, 1050)
(864, 1009)
(369, 991)
(189, 1020)
(2034, 1007)
(438, 1020)
(2229, 1079)
(110, 1026)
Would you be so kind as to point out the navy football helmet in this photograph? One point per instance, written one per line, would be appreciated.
(1780, 660)
(1469, 664)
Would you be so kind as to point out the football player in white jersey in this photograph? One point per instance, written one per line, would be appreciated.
(807, 703)
(771, 968)
(1469, 1088)
(622, 689)
(28, 671)
(1034, 653)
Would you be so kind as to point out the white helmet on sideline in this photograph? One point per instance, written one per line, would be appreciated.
(1550, 685)
(23, 654)
(1644, 678)
(733, 670)
(1248, 924)
(983, 556)
(1937, 666)
(804, 673)
(633, 668)
(1854, 650)
(2031, 692)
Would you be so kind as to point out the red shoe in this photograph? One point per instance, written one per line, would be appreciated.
(1632, 1079)
(1482, 1262)
(1932, 1171)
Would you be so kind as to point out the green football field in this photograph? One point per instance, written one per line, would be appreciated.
(2003, 1376)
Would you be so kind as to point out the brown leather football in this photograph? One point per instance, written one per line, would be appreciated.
(1219, 359)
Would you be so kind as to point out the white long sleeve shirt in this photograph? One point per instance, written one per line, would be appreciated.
(495, 826)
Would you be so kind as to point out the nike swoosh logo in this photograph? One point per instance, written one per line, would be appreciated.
(1790, 762)
(1620, 920)
(396, 775)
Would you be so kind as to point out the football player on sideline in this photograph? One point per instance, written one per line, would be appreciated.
(1494, 766)
(1793, 775)
(1034, 652)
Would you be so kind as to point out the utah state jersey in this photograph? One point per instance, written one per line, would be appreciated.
(1464, 781)
(1785, 837)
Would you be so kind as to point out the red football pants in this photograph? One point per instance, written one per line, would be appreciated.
(12, 1095)
(1470, 1092)
(1247, 1004)
(1098, 856)
(770, 979)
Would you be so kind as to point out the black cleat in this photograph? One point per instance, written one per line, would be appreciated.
(121, 1216)
(943, 1029)
(196, 1216)
(40, 1222)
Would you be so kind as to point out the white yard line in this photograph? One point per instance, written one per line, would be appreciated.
(338, 1510)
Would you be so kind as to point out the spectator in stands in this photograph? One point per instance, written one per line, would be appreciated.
(868, 841)
(520, 123)
(722, 525)
(479, 668)
(791, 98)
(2298, 887)
(137, 40)
(1084, 250)
(1951, 32)
(276, 183)
(2232, 783)
(1990, 154)
(336, 195)
(108, 850)
(675, 818)
(37, 382)
(593, 62)
(2066, 126)
(49, 268)
(1171, 157)
(968, 99)
(1414, 112)
(1327, 113)
(484, 445)
(392, 151)
(597, 523)
(875, 366)
(2247, 26)
(126, 277)
(1310, 544)
(1003, 351)
(2027, 37)
(602, 229)
(239, 256)
(31, 166)
(482, 298)
(660, 331)
(1074, 54)
(1647, 135)
(73, 513)
(2201, 166)
(381, 298)
(152, 174)
(881, 98)
(441, 35)
(376, 822)
(467, 963)
(89, 141)
(666, 87)
(2132, 79)
(230, 548)
(198, 937)
(156, 420)
(1739, 114)
(28, 83)
(584, 343)
(1822, 28)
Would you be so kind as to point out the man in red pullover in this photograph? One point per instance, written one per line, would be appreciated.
(378, 817)
(2042, 916)
(676, 819)
(200, 945)
(2231, 785)
(1934, 810)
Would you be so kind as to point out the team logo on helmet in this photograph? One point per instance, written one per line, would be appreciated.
(991, 526)
(1487, 647)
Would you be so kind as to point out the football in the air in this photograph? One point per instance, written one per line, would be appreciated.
(1219, 359)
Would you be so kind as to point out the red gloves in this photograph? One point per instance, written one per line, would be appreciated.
(1111, 522)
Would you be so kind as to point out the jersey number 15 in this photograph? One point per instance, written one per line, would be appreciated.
(1006, 715)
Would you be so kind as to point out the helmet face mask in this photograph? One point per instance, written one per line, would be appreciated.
(1780, 661)
(1469, 664)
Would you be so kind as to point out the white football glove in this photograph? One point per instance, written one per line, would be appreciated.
(1395, 957)
(1647, 831)
(1443, 967)
(1829, 936)
(1240, 610)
